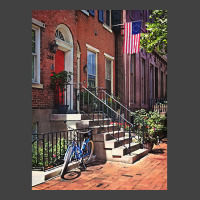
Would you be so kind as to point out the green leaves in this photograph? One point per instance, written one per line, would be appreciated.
(61, 78)
(156, 37)
(153, 124)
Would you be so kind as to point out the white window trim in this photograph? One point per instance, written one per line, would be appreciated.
(91, 48)
(111, 58)
(94, 50)
(108, 56)
(106, 26)
(37, 85)
(85, 12)
(37, 42)
(38, 23)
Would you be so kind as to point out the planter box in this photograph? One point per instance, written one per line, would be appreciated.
(62, 109)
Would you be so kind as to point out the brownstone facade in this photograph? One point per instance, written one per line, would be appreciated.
(141, 76)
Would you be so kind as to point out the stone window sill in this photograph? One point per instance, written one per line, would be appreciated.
(37, 85)
(107, 27)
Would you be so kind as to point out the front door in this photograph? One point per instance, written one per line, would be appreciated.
(59, 66)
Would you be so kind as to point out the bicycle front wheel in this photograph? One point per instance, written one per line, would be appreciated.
(88, 151)
(67, 161)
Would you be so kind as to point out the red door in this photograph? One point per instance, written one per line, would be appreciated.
(59, 66)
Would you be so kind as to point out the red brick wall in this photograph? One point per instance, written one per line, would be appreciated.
(82, 28)
(104, 41)
(44, 98)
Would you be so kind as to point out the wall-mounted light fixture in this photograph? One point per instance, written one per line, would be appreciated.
(53, 47)
(85, 69)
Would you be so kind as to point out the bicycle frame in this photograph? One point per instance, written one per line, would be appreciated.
(77, 150)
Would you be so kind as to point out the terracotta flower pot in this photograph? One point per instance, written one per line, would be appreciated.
(148, 146)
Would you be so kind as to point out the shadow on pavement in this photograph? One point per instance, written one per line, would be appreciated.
(157, 151)
(73, 174)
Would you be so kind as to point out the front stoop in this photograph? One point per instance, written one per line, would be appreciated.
(107, 147)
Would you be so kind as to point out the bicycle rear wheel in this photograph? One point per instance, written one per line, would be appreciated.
(88, 151)
(67, 161)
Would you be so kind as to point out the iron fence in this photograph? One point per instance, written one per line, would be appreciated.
(158, 104)
(48, 149)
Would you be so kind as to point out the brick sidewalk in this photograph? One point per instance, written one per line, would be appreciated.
(149, 173)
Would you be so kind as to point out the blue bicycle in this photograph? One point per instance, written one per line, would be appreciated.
(83, 154)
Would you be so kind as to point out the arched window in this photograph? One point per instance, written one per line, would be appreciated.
(59, 35)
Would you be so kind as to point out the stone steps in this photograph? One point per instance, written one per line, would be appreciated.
(106, 128)
(114, 143)
(107, 146)
(123, 150)
(91, 116)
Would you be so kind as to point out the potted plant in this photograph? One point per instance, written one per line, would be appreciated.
(152, 124)
(58, 82)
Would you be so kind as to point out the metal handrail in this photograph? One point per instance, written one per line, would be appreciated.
(117, 117)
(107, 105)
(132, 113)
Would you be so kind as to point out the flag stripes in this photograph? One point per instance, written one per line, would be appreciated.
(131, 41)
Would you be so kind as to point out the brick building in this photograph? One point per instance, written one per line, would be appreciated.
(141, 76)
(91, 48)
(86, 47)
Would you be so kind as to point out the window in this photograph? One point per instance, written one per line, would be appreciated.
(59, 35)
(162, 89)
(143, 81)
(91, 68)
(108, 75)
(151, 82)
(108, 17)
(35, 54)
(133, 79)
(156, 82)
(107, 21)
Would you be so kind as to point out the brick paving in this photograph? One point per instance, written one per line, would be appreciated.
(149, 173)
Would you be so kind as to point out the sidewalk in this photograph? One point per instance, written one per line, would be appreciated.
(149, 173)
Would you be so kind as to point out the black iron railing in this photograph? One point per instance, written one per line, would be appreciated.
(158, 104)
(48, 149)
(109, 113)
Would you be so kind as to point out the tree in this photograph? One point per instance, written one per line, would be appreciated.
(156, 36)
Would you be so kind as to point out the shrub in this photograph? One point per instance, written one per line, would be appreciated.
(153, 124)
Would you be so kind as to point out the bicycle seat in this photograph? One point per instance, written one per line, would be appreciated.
(86, 133)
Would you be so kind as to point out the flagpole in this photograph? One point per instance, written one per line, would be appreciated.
(127, 22)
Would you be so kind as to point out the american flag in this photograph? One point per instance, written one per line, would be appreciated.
(132, 37)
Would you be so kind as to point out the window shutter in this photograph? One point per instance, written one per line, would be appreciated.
(101, 16)
(92, 12)
(116, 19)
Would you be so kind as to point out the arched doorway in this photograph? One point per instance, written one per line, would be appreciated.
(64, 57)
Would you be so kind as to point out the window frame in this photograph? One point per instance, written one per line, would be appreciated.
(105, 25)
(110, 58)
(143, 81)
(85, 12)
(36, 54)
(93, 75)
(133, 76)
